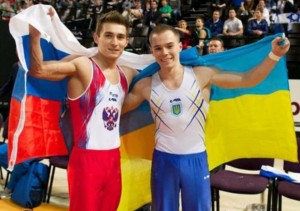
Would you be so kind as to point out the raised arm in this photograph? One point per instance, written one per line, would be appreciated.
(140, 92)
(255, 75)
(53, 70)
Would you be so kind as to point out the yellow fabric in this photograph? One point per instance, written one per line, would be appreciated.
(224, 145)
(139, 143)
(135, 184)
(136, 152)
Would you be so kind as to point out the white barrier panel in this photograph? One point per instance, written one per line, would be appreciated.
(295, 98)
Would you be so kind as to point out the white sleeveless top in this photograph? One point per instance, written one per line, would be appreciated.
(96, 113)
(179, 115)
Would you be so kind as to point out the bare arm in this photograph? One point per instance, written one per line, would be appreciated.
(185, 31)
(130, 73)
(254, 76)
(239, 32)
(53, 70)
(139, 93)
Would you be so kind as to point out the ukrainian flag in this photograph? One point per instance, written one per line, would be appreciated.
(252, 122)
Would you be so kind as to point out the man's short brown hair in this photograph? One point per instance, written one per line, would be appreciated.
(111, 17)
(162, 28)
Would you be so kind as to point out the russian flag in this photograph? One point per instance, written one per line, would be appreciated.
(36, 104)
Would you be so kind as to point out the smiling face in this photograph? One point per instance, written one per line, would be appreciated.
(112, 40)
(165, 47)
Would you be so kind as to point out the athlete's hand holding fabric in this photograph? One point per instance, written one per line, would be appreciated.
(280, 50)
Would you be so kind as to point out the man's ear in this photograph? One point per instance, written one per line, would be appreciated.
(127, 41)
(180, 46)
(95, 38)
(151, 51)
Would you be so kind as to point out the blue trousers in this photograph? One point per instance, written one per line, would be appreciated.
(172, 174)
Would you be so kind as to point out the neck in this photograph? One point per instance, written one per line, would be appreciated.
(171, 73)
(104, 62)
(172, 78)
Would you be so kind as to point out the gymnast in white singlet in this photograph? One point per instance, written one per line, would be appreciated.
(179, 98)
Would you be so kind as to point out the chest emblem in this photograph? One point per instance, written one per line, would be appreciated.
(176, 106)
(110, 116)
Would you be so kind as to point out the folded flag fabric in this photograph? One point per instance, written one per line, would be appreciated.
(271, 172)
(254, 122)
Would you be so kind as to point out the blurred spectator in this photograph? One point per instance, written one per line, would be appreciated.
(215, 24)
(265, 11)
(146, 8)
(136, 14)
(284, 6)
(200, 36)
(165, 12)
(258, 25)
(236, 4)
(220, 5)
(270, 4)
(185, 33)
(127, 4)
(133, 12)
(152, 18)
(7, 10)
(246, 8)
(95, 9)
(233, 26)
(215, 45)
(176, 7)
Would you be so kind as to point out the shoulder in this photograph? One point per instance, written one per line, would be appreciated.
(143, 87)
(202, 71)
(143, 84)
(82, 64)
(79, 60)
(145, 81)
(129, 72)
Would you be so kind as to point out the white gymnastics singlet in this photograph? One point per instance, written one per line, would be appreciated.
(96, 113)
(179, 115)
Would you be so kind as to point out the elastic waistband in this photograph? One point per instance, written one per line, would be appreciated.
(182, 156)
(96, 151)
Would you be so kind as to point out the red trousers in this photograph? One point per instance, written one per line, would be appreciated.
(94, 178)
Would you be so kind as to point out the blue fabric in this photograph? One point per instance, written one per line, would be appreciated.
(19, 170)
(248, 57)
(274, 175)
